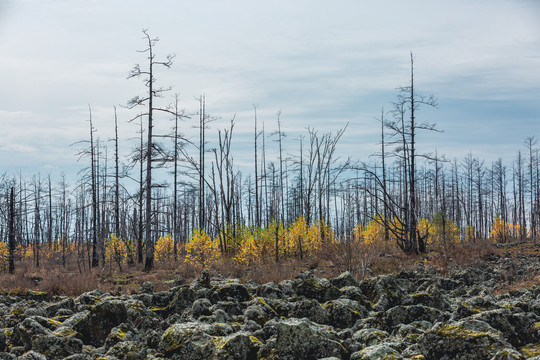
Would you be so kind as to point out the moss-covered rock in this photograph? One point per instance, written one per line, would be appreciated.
(366, 337)
(128, 350)
(343, 280)
(238, 346)
(91, 297)
(302, 339)
(201, 307)
(432, 298)
(182, 299)
(189, 341)
(203, 281)
(229, 291)
(508, 354)
(26, 330)
(516, 328)
(269, 290)
(377, 352)
(103, 317)
(147, 287)
(7, 356)
(57, 347)
(465, 339)
(397, 315)
(344, 312)
(3, 339)
(386, 291)
(311, 309)
(32, 355)
(312, 287)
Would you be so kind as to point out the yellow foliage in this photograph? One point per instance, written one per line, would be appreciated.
(255, 246)
(373, 233)
(201, 249)
(320, 235)
(164, 250)
(439, 234)
(119, 250)
(514, 230)
(4, 256)
(295, 238)
(502, 232)
(499, 231)
(55, 250)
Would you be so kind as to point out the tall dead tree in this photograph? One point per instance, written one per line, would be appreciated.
(11, 233)
(116, 179)
(202, 145)
(147, 100)
(257, 207)
(403, 222)
(530, 141)
(95, 258)
(414, 101)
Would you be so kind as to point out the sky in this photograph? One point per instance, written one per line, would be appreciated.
(322, 64)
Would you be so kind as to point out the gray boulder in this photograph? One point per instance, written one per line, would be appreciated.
(103, 317)
(302, 339)
(230, 291)
(269, 290)
(376, 352)
(386, 291)
(32, 355)
(238, 346)
(57, 347)
(344, 312)
(26, 330)
(311, 309)
(189, 341)
(516, 328)
(312, 287)
(343, 280)
(466, 339)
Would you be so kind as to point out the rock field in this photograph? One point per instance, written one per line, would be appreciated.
(416, 314)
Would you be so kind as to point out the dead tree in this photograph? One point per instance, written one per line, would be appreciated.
(11, 233)
(151, 147)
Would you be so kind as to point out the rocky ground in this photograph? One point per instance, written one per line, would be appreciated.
(416, 314)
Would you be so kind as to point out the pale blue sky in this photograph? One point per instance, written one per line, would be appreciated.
(321, 63)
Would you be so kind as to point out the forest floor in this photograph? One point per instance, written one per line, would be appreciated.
(59, 280)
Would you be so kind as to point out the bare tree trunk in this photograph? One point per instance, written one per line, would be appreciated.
(95, 259)
(11, 234)
(257, 208)
(202, 143)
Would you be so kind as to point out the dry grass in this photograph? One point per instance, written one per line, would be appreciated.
(361, 261)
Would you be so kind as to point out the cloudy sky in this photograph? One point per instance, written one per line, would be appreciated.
(322, 63)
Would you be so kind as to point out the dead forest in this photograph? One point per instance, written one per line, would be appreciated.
(173, 200)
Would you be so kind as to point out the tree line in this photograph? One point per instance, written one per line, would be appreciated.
(173, 186)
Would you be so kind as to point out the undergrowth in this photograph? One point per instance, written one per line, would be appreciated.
(69, 280)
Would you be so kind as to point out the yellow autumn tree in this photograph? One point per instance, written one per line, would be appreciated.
(201, 249)
(372, 236)
(116, 250)
(3, 256)
(441, 232)
(319, 236)
(164, 250)
(514, 230)
(499, 231)
(296, 237)
(373, 233)
(254, 247)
